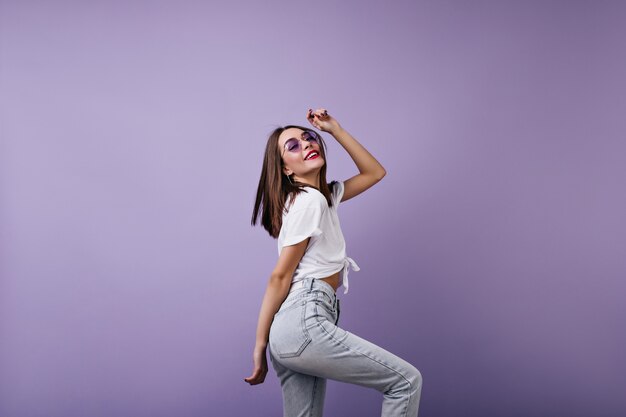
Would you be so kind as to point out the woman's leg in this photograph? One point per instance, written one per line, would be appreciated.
(344, 356)
(303, 395)
(317, 347)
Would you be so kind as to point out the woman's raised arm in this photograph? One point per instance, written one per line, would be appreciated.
(370, 170)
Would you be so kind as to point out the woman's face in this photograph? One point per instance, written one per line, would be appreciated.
(295, 145)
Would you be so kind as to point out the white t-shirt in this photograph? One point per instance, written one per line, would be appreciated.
(310, 216)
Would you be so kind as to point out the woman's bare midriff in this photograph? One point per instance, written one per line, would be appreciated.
(333, 280)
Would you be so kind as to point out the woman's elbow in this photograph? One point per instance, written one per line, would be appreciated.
(380, 174)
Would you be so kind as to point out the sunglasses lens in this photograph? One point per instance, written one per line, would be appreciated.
(293, 145)
(311, 137)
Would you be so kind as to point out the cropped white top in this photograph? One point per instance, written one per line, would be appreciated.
(310, 216)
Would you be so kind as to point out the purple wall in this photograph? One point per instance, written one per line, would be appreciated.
(492, 254)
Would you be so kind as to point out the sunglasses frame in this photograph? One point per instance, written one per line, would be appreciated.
(313, 136)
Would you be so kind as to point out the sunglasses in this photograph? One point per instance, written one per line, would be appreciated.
(293, 144)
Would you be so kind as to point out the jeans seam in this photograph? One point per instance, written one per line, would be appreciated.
(315, 380)
(406, 405)
(295, 304)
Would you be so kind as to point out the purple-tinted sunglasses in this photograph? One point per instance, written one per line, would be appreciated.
(293, 144)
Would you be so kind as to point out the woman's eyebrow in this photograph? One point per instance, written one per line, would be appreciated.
(302, 135)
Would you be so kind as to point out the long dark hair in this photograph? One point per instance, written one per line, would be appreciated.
(274, 186)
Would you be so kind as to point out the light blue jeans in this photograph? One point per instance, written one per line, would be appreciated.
(307, 347)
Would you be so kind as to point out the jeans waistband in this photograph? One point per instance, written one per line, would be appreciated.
(308, 284)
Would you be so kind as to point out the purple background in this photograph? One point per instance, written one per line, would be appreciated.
(492, 254)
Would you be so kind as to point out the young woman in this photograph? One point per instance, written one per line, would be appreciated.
(300, 310)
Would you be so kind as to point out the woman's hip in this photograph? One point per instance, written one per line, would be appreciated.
(301, 313)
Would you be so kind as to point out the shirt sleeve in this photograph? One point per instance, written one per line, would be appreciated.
(302, 223)
(337, 192)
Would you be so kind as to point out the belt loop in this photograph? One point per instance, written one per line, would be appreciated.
(310, 284)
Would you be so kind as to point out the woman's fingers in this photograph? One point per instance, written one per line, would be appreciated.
(319, 118)
(255, 374)
(256, 378)
(258, 373)
(310, 116)
(318, 113)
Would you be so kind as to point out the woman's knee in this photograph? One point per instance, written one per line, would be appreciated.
(414, 377)
(409, 379)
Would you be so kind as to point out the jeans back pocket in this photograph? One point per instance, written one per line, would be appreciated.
(288, 334)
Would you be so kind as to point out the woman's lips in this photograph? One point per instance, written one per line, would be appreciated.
(313, 157)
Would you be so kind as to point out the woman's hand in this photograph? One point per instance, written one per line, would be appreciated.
(323, 121)
(260, 367)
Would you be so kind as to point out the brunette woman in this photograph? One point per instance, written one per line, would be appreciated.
(300, 312)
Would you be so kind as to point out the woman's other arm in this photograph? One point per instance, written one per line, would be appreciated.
(275, 294)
